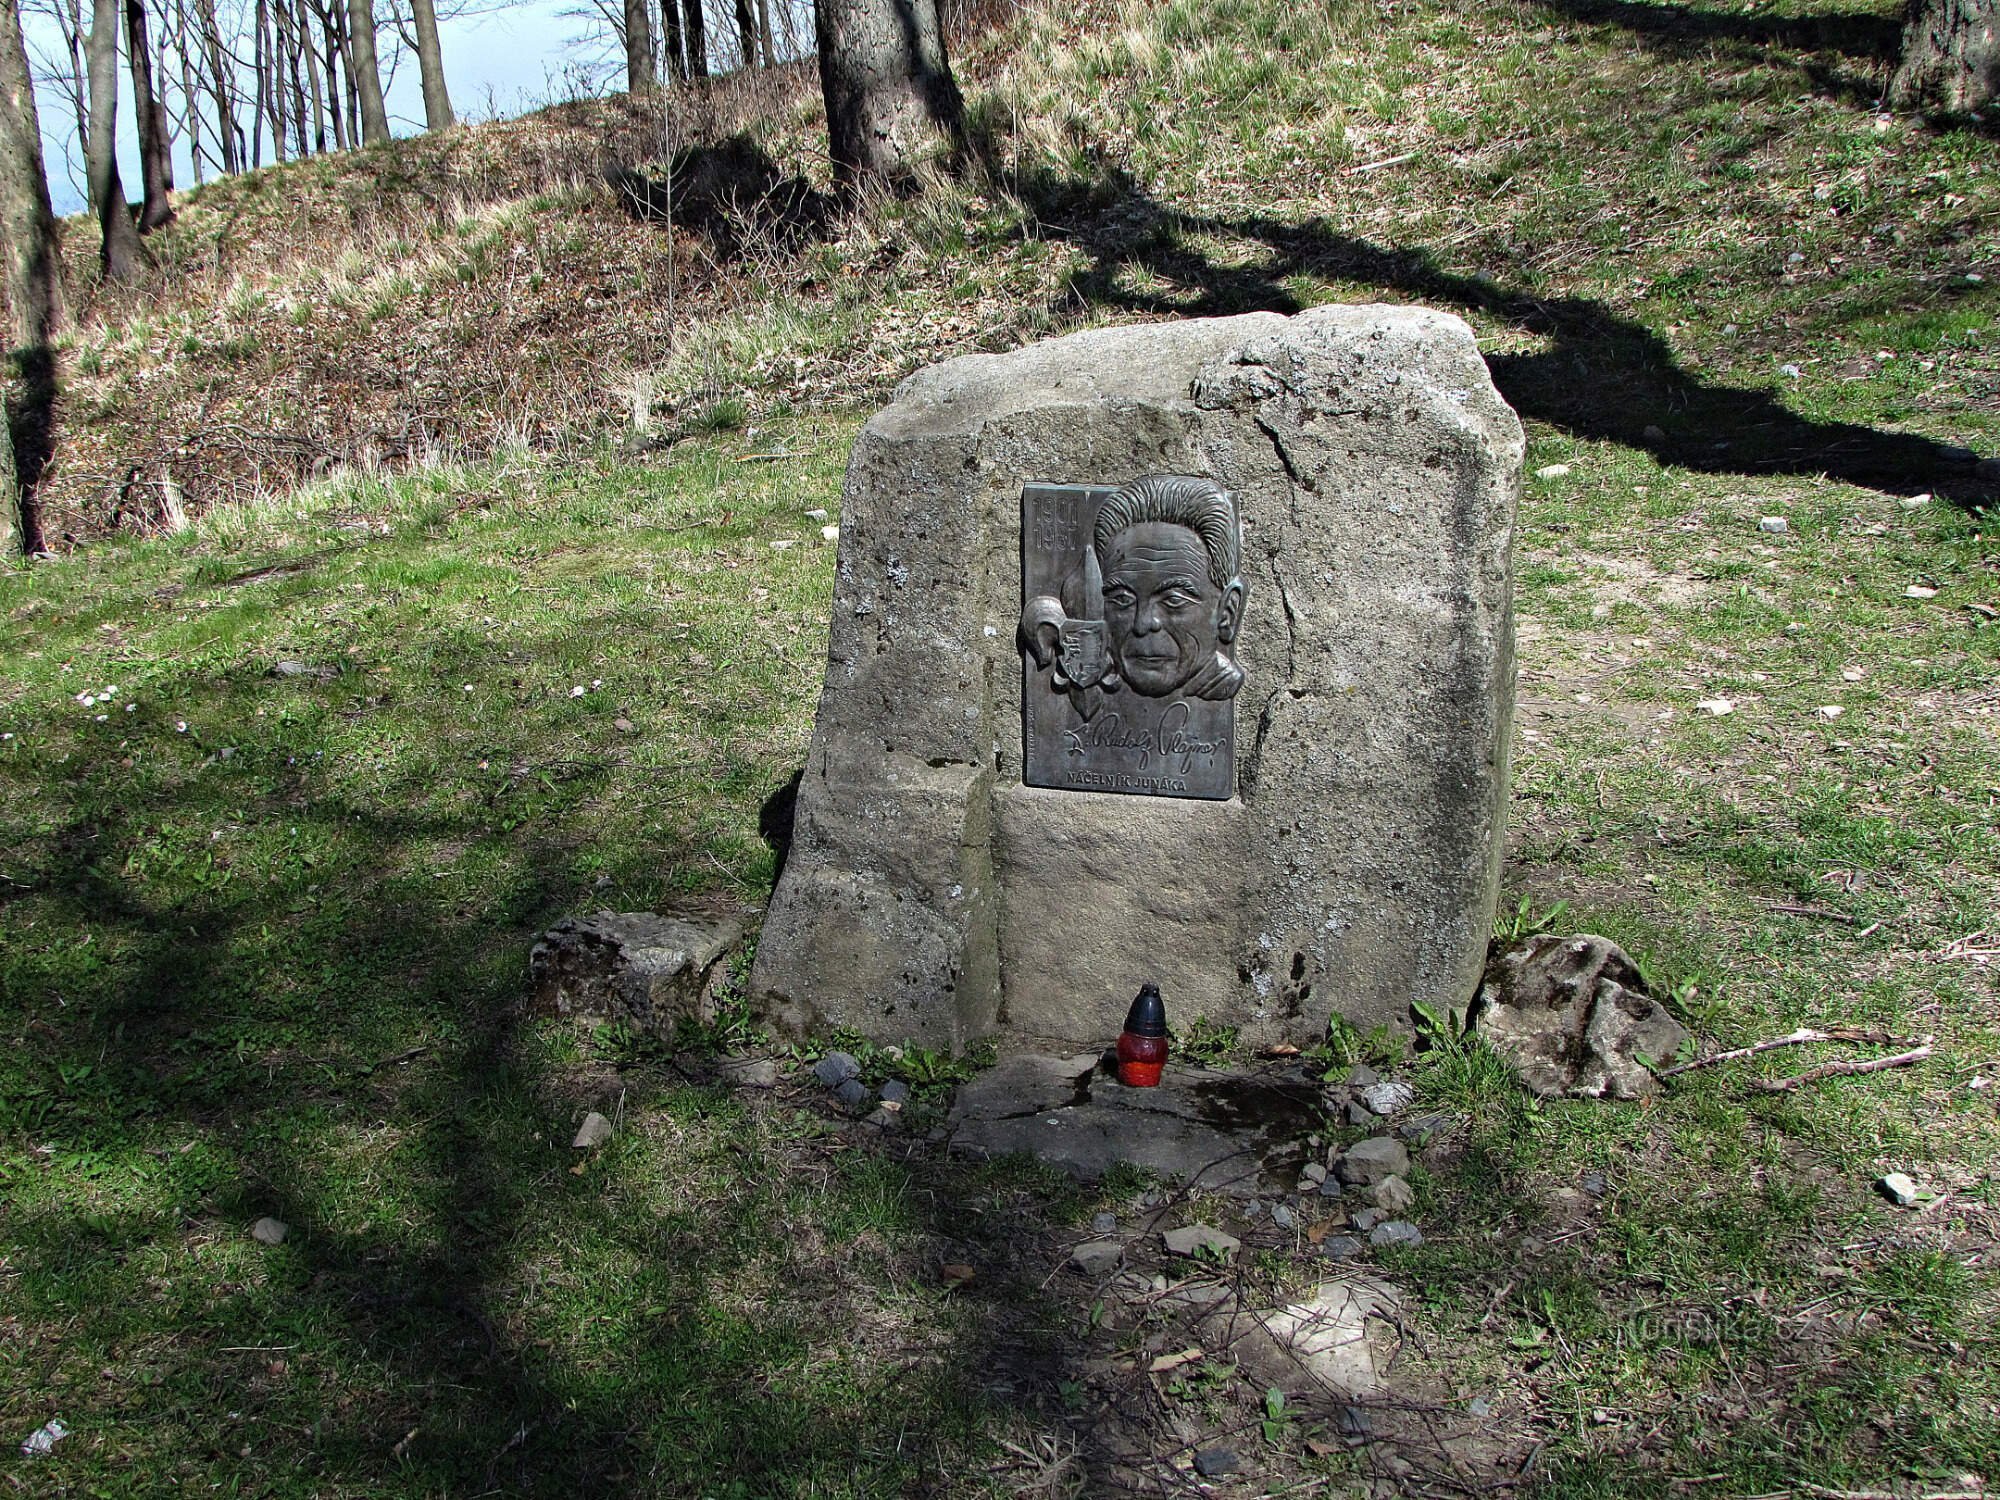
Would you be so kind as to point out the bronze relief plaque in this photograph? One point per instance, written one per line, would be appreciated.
(1131, 600)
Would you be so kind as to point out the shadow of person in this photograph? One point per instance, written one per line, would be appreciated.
(1601, 375)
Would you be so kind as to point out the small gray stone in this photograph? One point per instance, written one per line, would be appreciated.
(895, 1091)
(748, 1072)
(1332, 1188)
(1358, 1116)
(1360, 1076)
(1282, 1216)
(594, 1131)
(1104, 1223)
(1201, 1239)
(1368, 1163)
(1389, 1097)
(1394, 1196)
(1899, 1188)
(1312, 1172)
(853, 1094)
(1595, 1184)
(1340, 1247)
(1216, 1463)
(1097, 1257)
(268, 1231)
(1396, 1232)
(1479, 1406)
(1253, 1209)
(1775, 525)
(836, 1068)
(1366, 1219)
(885, 1117)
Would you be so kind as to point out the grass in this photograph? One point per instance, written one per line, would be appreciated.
(262, 935)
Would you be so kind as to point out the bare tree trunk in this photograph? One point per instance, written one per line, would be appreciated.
(1951, 56)
(339, 74)
(156, 160)
(889, 92)
(641, 76)
(746, 35)
(219, 76)
(305, 61)
(670, 23)
(120, 253)
(367, 72)
(430, 62)
(697, 40)
(33, 277)
(764, 33)
(288, 45)
(70, 18)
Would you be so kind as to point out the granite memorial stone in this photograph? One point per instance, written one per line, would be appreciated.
(1178, 653)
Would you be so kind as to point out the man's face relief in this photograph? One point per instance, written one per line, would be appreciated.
(1165, 614)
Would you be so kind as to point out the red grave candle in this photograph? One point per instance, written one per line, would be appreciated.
(1142, 1046)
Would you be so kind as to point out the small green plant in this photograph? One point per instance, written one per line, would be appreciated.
(1524, 922)
(1207, 1042)
(1277, 1423)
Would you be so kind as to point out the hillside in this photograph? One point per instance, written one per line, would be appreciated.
(286, 795)
(1651, 215)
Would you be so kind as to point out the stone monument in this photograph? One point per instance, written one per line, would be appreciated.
(1179, 652)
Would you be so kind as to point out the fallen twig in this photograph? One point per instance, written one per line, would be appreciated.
(1786, 908)
(1376, 166)
(1797, 1038)
(1843, 1069)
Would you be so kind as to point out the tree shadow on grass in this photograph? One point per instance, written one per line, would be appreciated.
(1602, 375)
(709, 1307)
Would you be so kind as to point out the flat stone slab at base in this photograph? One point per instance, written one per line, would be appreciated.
(1236, 1133)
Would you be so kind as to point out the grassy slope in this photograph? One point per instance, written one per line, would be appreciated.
(218, 970)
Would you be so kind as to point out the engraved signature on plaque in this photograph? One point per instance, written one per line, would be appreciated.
(1132, 600)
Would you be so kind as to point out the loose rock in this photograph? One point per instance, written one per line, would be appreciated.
(836, 1068)
(1372, 1160)
(1282, 1216)
(644, 968)
(895, 1091)
(1395, 1232)
(748, 1072)
(594, 1131)
(853, 1094)
(1899, 1188)
(1340, 1247)
(1394, 1196)
(1572, 1016)
(1390, 1097)
(1216, 1463)
(1097, 1257)
(268, 1231)
(1201, 1239)
(1104, 1223)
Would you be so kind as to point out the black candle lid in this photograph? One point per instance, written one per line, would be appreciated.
(1148, 1015)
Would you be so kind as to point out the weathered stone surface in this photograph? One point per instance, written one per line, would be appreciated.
(1393, 1195)
(930, 895)
(1572, 1016)
(1201, 1239)
(1097, 1257)
(1226, 1132)
(1371, 1161)
(646, 968)
(1342, 1335)
(748, 1072)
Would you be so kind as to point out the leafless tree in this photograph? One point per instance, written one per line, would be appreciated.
(1951, 56)
(430, 63)
(156, 151)
(33, 281)
(367, 72)
(890, 94)
(641, 72)
(120, 254)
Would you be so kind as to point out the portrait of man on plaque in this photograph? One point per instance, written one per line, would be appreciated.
(1154, 602)
(1132, 599)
